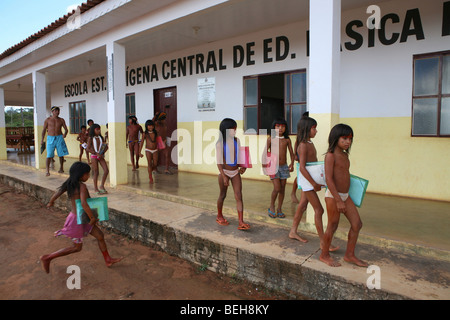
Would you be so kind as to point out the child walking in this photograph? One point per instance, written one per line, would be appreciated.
(306, 129)
(283, 173)
(227, 149)
(97, 147)
(83, 138)
(132, 136)
(76, 189)
(307, 153)
(337, 173)
(151, 147)
(295, 184)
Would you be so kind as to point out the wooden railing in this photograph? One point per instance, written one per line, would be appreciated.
(20, 138)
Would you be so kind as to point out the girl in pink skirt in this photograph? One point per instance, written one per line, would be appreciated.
(76, 189)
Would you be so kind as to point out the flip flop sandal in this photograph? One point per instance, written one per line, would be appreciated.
(223, 222)
(271, 214)
(280, 215)
(245, 226)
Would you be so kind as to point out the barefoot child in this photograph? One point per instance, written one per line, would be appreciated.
(97, 147)
(76, 189)
(83, 137)
(307, 130)
(151, 147)
(227, 149)
(337, 175)
(132, 137)
(295, 184)
(279, 179)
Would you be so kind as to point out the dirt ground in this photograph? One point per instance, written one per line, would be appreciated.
(145, 273)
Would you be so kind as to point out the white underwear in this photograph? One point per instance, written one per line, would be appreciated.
(230, 173)
(343, 196)
(152, 151)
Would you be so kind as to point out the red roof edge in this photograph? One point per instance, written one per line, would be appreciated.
(53, 26)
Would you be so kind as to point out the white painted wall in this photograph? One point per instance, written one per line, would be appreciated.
(375, 82)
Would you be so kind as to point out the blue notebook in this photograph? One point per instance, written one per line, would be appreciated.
(358, 188)
(99, 207)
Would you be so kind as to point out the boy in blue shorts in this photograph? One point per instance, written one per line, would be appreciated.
(55, 139)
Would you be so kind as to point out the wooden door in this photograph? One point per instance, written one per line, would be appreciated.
(165, 100)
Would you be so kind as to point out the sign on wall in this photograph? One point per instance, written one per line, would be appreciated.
(206, 94)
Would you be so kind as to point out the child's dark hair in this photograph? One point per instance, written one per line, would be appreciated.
(92, 130)
(150, 123)
(225, 125)
(82, 127)
(304, 128)
(72, 184)
(339, 130)
(283, 122)
(133, 119)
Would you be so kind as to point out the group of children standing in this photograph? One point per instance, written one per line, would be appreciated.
(337, 175)
(94, 145)
(155, 139)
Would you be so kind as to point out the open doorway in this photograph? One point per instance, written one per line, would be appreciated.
(272, 99)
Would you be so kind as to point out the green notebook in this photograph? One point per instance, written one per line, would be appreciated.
(358, 187)
(99, 207)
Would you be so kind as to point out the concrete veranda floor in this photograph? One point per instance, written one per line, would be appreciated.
(414, 225)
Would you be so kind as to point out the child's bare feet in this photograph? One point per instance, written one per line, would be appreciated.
(109, 262)
(332, 248)
(329, 260)
(45, 263)
(295, 236)
(355, 260)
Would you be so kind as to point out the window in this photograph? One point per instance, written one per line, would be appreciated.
(130, 105)
(295, 98)
(267, 97)
(77, 116)
(431, 95)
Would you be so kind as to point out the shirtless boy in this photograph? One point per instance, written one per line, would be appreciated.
(132, 138)
(55, 138)
(283, 173)
(83, 137)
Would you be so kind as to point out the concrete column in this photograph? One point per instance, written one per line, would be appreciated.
(40, 114)
(116, 114)
(3, 154)
(324, 73)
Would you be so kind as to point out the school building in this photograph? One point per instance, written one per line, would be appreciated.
(382, 67)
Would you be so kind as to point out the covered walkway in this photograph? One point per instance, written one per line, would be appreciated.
(409, 225)
(263, 255)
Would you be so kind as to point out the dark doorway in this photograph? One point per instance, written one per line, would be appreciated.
(272, 99)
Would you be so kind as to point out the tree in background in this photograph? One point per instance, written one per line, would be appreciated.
(19, 117)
